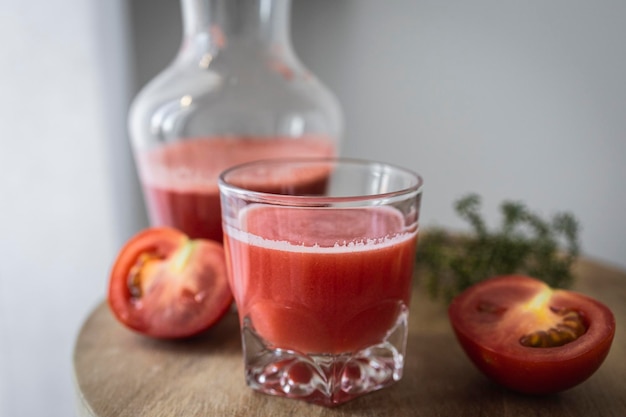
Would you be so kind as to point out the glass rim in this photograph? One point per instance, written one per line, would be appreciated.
(264, 196)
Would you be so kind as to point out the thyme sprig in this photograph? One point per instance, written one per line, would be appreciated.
(524, 243)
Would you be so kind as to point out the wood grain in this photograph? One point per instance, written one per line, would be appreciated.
(122, 374)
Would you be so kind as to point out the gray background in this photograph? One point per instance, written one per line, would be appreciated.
(513, 100)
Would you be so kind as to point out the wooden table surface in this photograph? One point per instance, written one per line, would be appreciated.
(119, 373)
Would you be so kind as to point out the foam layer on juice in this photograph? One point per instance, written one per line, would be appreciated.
(193, 165)
(322, 230)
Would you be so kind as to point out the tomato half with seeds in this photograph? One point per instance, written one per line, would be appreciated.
(529, 337)
(165, 285)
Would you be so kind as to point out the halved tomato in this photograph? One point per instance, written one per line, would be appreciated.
(165, 285)
(529, 337)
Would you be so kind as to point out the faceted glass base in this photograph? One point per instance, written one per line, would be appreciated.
(326, 379)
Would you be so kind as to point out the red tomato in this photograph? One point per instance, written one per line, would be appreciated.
(165, 285)
(529, 337)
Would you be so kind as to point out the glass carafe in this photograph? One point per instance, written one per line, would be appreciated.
(235, 92)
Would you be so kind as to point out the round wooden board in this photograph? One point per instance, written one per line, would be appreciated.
(122, 374)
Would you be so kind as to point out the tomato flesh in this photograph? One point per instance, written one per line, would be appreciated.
(529, 337)
(165, 285)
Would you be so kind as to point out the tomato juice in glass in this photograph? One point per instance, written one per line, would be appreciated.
(306, 292)
(179, 179)
(322, 281)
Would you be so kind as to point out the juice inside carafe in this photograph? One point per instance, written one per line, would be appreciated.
(179, 180)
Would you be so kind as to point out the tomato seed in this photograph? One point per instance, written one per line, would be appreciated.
(570, 329)
(135, 276)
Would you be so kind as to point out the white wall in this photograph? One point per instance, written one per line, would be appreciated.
(513, 100)
(61, 65)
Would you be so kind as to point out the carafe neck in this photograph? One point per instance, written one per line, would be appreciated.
(222, 24)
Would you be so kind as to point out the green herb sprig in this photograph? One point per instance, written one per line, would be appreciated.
(524, 243)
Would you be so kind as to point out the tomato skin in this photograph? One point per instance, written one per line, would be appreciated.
(176, 300)
(491, 337)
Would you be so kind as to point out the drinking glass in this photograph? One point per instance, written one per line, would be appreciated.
(320, 254)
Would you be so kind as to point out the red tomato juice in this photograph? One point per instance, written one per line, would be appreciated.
(179, 179)
(321, 280)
